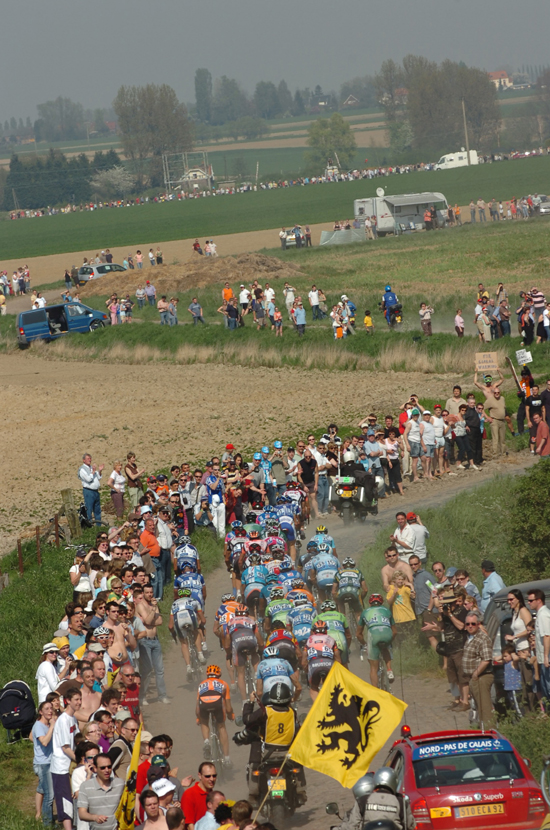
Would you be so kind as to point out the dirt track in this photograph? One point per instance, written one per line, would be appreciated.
(166, 414)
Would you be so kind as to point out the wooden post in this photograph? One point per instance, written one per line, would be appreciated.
(38, 551)
(56, 529)
(71, 513)
(20, 557)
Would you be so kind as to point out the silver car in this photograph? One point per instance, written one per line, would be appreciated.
(544, 208)
(92, 272)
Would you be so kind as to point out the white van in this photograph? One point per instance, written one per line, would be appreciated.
(400, 214)
(459, 159)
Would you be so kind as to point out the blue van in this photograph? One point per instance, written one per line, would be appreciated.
(54, 321)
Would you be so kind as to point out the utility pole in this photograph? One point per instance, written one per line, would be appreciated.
(466, 131)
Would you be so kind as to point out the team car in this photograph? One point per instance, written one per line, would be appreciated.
(468, 779)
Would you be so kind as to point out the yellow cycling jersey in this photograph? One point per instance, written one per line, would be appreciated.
(280, 727)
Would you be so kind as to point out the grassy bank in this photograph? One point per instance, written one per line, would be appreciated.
(152, 223)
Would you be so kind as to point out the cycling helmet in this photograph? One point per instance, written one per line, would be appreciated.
(376, 599)
(227, 597)
(280, 694)
(385, 777)
(278, 445)
(271, 512)
(257, 456)
(240, 533)
(323, 547)
(250, 518)
(277, 552)
(286, 566)
(265, 449)
(254, 534)
(254, 557)
(186, 565)
(348, 562)
(364, 786)
(387, 288)
(301, 601)
(236, 524)
(319, 627)
(312, 545)
(241, 611)
(297, 583)
(184, 592)
(272, 577)
(328, 605)
(184, 540)
(348, 456)
(277, 593)
(282, 499)
(213, 671)
(270, 651)
(255, 547)
(321, 529)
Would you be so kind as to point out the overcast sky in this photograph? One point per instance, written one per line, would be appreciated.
(84, 49)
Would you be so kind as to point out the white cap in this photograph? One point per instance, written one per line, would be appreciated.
(162, 787)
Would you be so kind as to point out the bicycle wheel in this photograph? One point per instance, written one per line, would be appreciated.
(383, 682)
(249, 677)
(215, 745)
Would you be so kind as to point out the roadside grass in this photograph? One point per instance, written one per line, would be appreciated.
(152, 223)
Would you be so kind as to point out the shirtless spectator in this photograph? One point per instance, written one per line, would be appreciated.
(91, 700)
(154, 817)
(150, 652)
(394, 563)
(124, 639)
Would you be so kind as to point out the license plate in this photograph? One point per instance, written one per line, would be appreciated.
(479, 810)
(277, 786)
(347, 494)
(440, 812)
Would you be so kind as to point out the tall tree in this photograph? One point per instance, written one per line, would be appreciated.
(285, 97)
(329, 138)
(298, 106)
(361, 88)
(387, 82)
(152, 121)
(229, 102)
(203, 95)
(266, 99)
(62, 120)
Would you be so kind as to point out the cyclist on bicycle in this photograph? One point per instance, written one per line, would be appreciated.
(349, 586)
(277, 560)
(288, 513)
(253, 580)
(380, 632)
(234, 546)
(306, 561)
(187, 577)
(337, 627)
(275, 669)
(243, 639)
(223, 616)
(250, 522)
(322, 536)
(324, 569)
(320, 653)
(283, 639)
(186, 620)
(185, 550)
(277, 608)
(287, 575)
(300, 620)
(213, 698)
(298, 590)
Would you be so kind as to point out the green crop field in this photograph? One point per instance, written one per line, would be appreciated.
(152, 223)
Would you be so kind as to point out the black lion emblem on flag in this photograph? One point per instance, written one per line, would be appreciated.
(347, 725)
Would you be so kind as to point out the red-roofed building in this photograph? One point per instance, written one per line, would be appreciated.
(500, 79)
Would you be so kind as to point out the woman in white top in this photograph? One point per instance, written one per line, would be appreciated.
(425, 313)
(428, 436)
(117, 483)
(47, 678)
(394, 448)
(521, 616)
(414, 443)
(79, 574)
(440, 428)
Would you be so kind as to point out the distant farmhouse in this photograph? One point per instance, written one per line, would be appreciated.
(501, 79)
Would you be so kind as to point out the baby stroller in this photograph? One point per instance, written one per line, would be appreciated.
(17, 710)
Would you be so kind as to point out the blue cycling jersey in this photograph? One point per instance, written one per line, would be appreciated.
(255, 574)
(301, 619)
(274, 667)
(326, 566)
(193, 581)
(325, 538)
(286, 577)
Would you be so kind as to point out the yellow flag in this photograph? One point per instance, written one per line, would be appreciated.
(349, 722)
(125, 809)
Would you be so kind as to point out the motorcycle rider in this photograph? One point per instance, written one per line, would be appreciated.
(361, 790)
(274, 669)
(365, 479)
(389, 299)
(270, 729)
(385, 804)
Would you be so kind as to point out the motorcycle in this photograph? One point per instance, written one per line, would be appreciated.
(353, 501)
(395, 313)
(281, 785)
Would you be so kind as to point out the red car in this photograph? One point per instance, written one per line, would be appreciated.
(469, 779)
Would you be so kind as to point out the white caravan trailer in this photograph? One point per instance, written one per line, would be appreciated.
(400, 214)
(459, 159)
